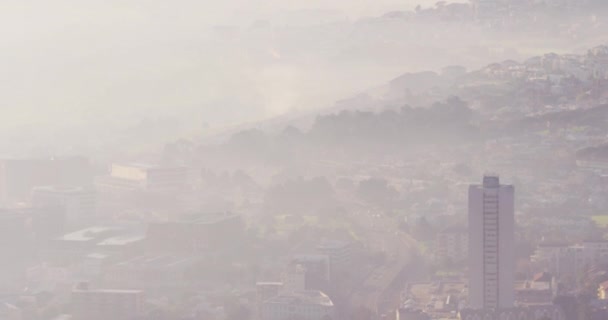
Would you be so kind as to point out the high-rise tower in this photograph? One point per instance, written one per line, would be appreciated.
(491, 245)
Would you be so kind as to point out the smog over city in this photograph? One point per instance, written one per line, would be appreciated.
(304, 160)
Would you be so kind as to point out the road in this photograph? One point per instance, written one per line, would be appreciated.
(377, 293)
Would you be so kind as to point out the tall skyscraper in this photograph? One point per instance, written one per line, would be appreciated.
(491, 245)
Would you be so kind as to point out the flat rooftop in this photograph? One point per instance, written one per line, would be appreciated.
(158, 261)
(122, 240)
(431, 296)
(109, 291)
(62, 189)
(87, 234)
(269, 283)
(302, 297)
(206, 218)
(333, 245)
(146, 166)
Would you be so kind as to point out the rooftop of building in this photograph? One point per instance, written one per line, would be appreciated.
(455, 229)
(87, 234)
(490, 181)
(433, 295)
(532, 286)
(310, 297)
(309, 258)
(269, 283)
(205, 218)
(62, 189)
(96, 255)
(158, 261)
(542, 277)
(595, 240)
(145, 166)
(333, 245)
(553, 244)
(108, 291)
(122, 240)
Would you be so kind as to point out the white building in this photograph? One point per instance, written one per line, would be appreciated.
(491, 245)
(303, 305)
(144, 177)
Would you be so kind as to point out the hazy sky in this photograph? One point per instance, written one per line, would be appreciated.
(78, 58)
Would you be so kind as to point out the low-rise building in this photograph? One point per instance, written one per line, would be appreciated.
(340, 254)
(94, 304)
(539, 290)
(537, 312)
(452, 244)
(315, 269)
(603, 291)
(195, 233)
(570, 260)
(304, 305)
(267, 290)
(152, 272)
(80, 204)
(143, 177)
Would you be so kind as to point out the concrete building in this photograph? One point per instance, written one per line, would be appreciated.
(144, 177)
(553, 257)
(570, 260)
(154, 273)
(80, 204)
(541, 289)
(10, 312)
(294, 278)
(14, 251)
(340, 254)
(196, 233)
(595, 252)
(89, 304)
(303, 305)
(411, 314)
(43, 223)
(452, 244)
(491, 245)
(316, 270)
(488, 9)
(19, 176)
(267, 290)
(534, 312)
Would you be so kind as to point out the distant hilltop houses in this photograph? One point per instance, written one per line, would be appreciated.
(554, 67)
(493, 8)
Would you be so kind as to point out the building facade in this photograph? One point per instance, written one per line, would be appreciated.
(80, 204)
(538, 312)
(491, 245)
(452, 245)
(303, 305)
(88, 304)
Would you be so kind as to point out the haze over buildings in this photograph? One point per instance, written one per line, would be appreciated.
(304, 160)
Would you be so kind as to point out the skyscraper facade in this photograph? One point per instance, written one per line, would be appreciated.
(491, 245)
